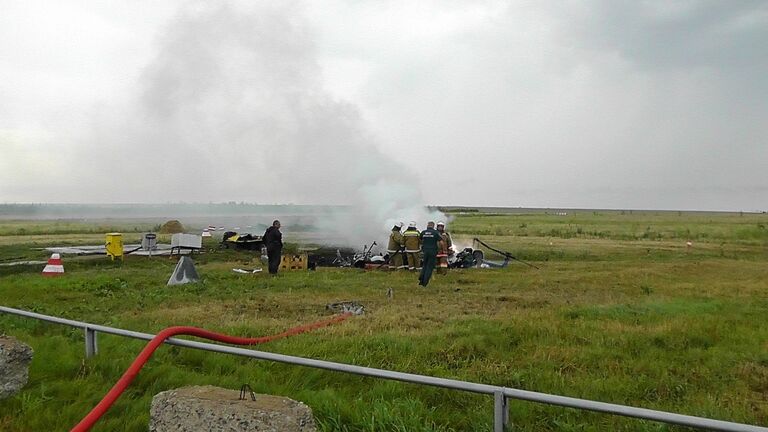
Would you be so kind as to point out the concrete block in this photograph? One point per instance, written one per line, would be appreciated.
(214, 409)
(15, 358)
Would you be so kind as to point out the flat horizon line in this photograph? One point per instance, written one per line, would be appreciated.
(431, 206)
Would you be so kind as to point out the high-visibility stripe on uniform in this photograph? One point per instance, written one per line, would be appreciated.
(410, 234)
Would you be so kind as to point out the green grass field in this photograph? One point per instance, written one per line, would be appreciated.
(620, 311)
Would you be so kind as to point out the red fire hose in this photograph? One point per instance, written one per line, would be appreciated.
(88, 421)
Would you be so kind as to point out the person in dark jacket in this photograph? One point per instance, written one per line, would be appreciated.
(430, 244)
(273, 240)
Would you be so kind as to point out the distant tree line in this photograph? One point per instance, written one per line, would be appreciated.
(123, 210)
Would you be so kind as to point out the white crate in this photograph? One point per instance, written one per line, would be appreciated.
(186, 241)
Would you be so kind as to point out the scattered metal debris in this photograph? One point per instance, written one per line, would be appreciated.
(244, 271)
(245, 390)
(468, 258)
(346, 257)
(472, 257)
(507, 256)
(353, 307)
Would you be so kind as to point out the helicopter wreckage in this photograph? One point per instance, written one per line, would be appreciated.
(370, 258)
(366, 258)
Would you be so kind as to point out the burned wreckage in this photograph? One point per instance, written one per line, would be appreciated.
(366, 258)
(346, 257)
(472, 257)
(233, 240)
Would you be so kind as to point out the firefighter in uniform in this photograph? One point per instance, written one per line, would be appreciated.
(445, 249)
(430, 243)
(395, 248)
(412, 244)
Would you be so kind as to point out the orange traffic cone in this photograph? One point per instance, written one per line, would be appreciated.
(54, 266)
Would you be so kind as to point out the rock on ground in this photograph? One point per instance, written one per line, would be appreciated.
(14, 365)
(214, 409)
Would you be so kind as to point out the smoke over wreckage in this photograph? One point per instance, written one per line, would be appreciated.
(599, 104)
(235, 90)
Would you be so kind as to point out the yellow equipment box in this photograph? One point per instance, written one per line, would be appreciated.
(114, 245)
(293, 262)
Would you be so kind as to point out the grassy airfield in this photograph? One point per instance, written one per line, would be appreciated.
(620, 311)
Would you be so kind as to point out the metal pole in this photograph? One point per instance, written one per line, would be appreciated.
(91, 343)
(628, 411)
(507, 422)
(499, 406)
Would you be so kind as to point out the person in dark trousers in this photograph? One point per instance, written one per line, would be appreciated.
(273, 240)
(430, 244)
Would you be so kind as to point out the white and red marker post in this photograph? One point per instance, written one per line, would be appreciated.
(54, 267)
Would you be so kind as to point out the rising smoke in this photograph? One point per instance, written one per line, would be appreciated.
(235, 91)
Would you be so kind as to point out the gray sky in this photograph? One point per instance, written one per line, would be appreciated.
(386, 105)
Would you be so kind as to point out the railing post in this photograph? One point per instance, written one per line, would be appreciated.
(500, 412)
(507, 422)
(91, 343)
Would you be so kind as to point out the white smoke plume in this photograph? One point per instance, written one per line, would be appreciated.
(235, 90)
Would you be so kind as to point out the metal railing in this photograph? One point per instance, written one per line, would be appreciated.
(501, 395)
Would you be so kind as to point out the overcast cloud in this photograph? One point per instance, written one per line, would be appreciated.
(386, 105)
